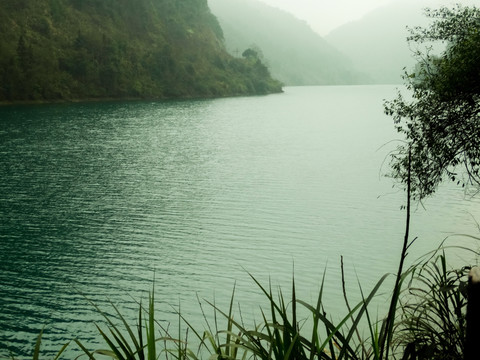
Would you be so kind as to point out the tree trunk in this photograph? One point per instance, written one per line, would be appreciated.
(472, 350)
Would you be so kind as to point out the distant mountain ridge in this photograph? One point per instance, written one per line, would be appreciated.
(377, 42)
(295, 54)
(83, 49)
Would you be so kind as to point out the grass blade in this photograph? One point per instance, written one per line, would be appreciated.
(36, 351)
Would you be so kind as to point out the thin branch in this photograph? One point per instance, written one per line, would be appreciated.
(384, 343)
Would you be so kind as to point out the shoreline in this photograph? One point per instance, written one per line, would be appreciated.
(127, 99)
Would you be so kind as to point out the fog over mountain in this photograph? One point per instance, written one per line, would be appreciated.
(377, 42)
(295, 54)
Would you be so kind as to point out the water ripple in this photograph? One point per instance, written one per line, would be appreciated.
(97, 200)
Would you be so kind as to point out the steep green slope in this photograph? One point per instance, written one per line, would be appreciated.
(295, 53)
(77, 49)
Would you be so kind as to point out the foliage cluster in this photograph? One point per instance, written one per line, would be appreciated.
(441, 120)
(432, 323)
(71, 49)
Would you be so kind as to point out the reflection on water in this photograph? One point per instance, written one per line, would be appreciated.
(97, 199)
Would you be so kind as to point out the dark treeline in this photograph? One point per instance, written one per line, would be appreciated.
(78, 49)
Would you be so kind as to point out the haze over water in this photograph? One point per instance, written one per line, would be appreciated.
(98, 199)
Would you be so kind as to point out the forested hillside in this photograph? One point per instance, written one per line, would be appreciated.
(79, 49)
(295, 54)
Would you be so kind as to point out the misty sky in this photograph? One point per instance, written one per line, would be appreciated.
(325, 15)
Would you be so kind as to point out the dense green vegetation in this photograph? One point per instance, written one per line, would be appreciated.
(70, 49)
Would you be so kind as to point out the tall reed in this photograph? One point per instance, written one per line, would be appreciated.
(432, 323)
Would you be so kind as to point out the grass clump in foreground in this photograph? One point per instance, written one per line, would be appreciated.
(429, 323)
(278, 336)
(432, 321)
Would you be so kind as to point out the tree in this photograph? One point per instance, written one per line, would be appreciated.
(250, 54)
(441, 119)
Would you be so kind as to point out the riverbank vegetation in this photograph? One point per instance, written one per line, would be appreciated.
(428, 323)
(66, 49)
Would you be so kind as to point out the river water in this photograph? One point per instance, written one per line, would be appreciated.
(97, 199)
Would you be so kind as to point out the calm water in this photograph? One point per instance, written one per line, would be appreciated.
(97, 199)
